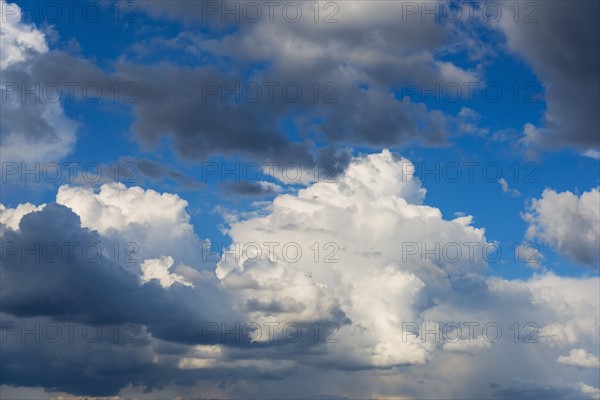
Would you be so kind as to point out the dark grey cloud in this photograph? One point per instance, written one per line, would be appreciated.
(563, 49)
(73, 360)
(70, 279)
(171, 105)
(168, 101)
(81, 289)
(354, 64)
(112, 326)
(245, 188)
(26, 119)
(158, 172)
(31, 129)
(65, 277)
(376, 118)
(100, 360)
(403, 51)
(171, 101)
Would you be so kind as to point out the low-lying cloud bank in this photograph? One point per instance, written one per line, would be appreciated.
(113, 293)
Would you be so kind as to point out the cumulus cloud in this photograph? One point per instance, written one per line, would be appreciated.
(58, 273)
(157, 224)
(355, 227)
(55, 277)
(590, 391)
(377, 289)
(569, 223)
(159, 269)
(579, 358)
(10, 217)
(357, 270)
(19, 40)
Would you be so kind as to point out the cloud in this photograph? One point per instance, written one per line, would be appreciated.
(384, 291)
(104, 323)
(521, 389)
(568, 69)
(157, 224)
(159, 269)
(569, 223)
(579, 358)
(157, 172)
(19, 40)
(507, 189)
(365, 283)
(569, 333)
(352, 226)
(591, 391)
(10, 217)
(591, 153)
(529, 254)
(246, 188)
(54, 282)
(31, 130)
(357, 67)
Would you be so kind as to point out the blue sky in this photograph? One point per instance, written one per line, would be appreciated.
(508, 103)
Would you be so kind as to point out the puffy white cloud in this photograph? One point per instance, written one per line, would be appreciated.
(552, 314)
(569, 223)
(115, 207)
(579, 358)
(155, 222)
(159, 269)
(363, 242)
(591, 391)
(18, 40)
(137, 226)
(10, 217)
(371, 216)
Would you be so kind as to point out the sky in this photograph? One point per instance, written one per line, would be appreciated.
(279, 199)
